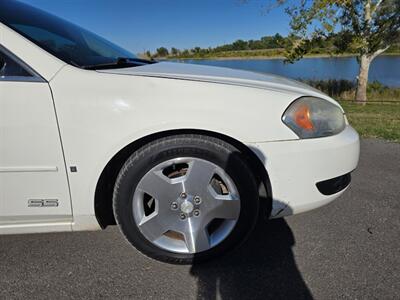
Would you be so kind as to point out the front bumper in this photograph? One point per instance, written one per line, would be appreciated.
(295, 167)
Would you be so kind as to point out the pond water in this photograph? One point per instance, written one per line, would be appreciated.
(385, 69)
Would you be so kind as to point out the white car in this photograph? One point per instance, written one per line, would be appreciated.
(182, 157)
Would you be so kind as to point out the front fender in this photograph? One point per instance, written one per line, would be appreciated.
(100, 114)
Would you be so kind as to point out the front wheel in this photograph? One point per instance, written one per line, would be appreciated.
(186, 198)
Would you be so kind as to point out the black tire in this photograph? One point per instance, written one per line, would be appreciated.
(208, 148)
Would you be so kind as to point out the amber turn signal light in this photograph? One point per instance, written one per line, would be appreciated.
(302, 117)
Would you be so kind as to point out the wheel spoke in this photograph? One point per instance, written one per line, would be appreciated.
(199, 176)
(153, 226)
(160, 187)
(222, 206)
(226, 209)
(197, 240)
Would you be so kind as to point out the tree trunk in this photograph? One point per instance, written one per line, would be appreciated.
(361, 93)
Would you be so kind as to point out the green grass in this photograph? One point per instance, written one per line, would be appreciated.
(375, 120)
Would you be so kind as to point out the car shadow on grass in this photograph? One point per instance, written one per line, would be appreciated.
(262, 268)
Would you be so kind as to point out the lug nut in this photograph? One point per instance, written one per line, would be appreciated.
(197, 200)
(183, 195)
(182, 216)
(174, 206)
(196, 212)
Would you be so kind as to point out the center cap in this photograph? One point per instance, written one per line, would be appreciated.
(187, 207)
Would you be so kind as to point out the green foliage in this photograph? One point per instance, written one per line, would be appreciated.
(345, 90)
(366, 27)
(332, 87)
(162, 52)
(376, 86)
(174, 51)
(148, 54)
(267, 46)
(265, 43)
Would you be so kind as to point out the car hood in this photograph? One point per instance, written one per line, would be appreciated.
(220, 75)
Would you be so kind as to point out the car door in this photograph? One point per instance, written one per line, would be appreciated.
(34, 191)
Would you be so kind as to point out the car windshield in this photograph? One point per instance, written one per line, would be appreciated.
(68, 42)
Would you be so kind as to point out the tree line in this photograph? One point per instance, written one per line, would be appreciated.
(332, 44)
(267, 42)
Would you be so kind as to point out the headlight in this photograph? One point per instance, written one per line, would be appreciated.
(311, 117)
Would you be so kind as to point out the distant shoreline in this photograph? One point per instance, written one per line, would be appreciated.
(265, 57)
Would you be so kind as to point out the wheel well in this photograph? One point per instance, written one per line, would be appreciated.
(106, 182)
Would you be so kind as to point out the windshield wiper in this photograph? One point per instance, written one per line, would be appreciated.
(121, 62)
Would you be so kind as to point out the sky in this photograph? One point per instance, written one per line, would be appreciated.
(140, 25)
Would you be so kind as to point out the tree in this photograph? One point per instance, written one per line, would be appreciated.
(185, 53)
(277, 40)
(239, 45)
(174, 51)
(162, 52)
(148, 54)
(366, 27)
(196, 50)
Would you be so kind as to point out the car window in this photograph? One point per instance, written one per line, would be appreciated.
(50, 39)
(66, 41)
(11, 68)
